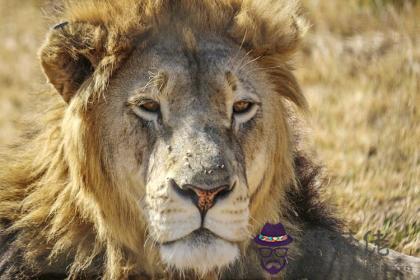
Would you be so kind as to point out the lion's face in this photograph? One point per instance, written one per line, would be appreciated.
(192, 129)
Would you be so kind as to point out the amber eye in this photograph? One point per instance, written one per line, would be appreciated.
(150, 106)
(242, 107)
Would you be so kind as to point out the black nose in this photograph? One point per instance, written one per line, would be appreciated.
(204, 199)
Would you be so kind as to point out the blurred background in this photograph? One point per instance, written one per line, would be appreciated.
(360, 70)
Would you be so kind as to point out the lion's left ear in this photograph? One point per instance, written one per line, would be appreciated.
(70, 55)
(269, 26)
(272, 30)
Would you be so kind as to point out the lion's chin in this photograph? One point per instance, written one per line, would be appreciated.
(200, 251)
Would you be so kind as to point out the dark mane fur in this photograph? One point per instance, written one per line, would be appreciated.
(307, 205)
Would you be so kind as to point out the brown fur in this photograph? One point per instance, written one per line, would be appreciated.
(55, 197)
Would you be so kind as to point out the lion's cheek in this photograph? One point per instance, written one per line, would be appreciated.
(255, 169)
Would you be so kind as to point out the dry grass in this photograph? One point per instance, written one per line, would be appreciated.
(360, 69)
(361, 72)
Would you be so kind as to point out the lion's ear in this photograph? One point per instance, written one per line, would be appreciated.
(269, 26)
(70, 55)
(273, 31)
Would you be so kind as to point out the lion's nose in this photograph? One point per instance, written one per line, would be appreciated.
(204, 199)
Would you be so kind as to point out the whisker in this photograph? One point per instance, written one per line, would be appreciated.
(250, 61)
(265, 68)
(240, 46)
(150, 82)
(240, 62)
(255, 220)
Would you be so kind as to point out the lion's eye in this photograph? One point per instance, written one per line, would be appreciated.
(242, 107)
(145, 108)
(150, 106)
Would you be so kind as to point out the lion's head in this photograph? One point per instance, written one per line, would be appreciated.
(188, 131)
(175, 134)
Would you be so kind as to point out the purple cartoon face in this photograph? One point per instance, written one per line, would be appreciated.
(272, 260)
(271, 245)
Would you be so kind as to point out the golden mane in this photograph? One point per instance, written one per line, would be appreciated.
(270, 30)
(54, 192)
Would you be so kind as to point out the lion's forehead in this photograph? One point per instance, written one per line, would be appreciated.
(208, 62)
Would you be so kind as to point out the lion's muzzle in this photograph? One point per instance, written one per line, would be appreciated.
(203, 197)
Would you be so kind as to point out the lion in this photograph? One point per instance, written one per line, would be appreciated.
(173, 139)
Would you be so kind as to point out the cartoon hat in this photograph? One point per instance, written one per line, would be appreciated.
(273, 236)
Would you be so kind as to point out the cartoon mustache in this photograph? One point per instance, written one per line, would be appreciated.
(273, 266)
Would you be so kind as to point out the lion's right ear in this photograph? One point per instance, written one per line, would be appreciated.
(70, 55)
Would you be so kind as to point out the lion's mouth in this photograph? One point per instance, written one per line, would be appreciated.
(197, 237)
(201, 250)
